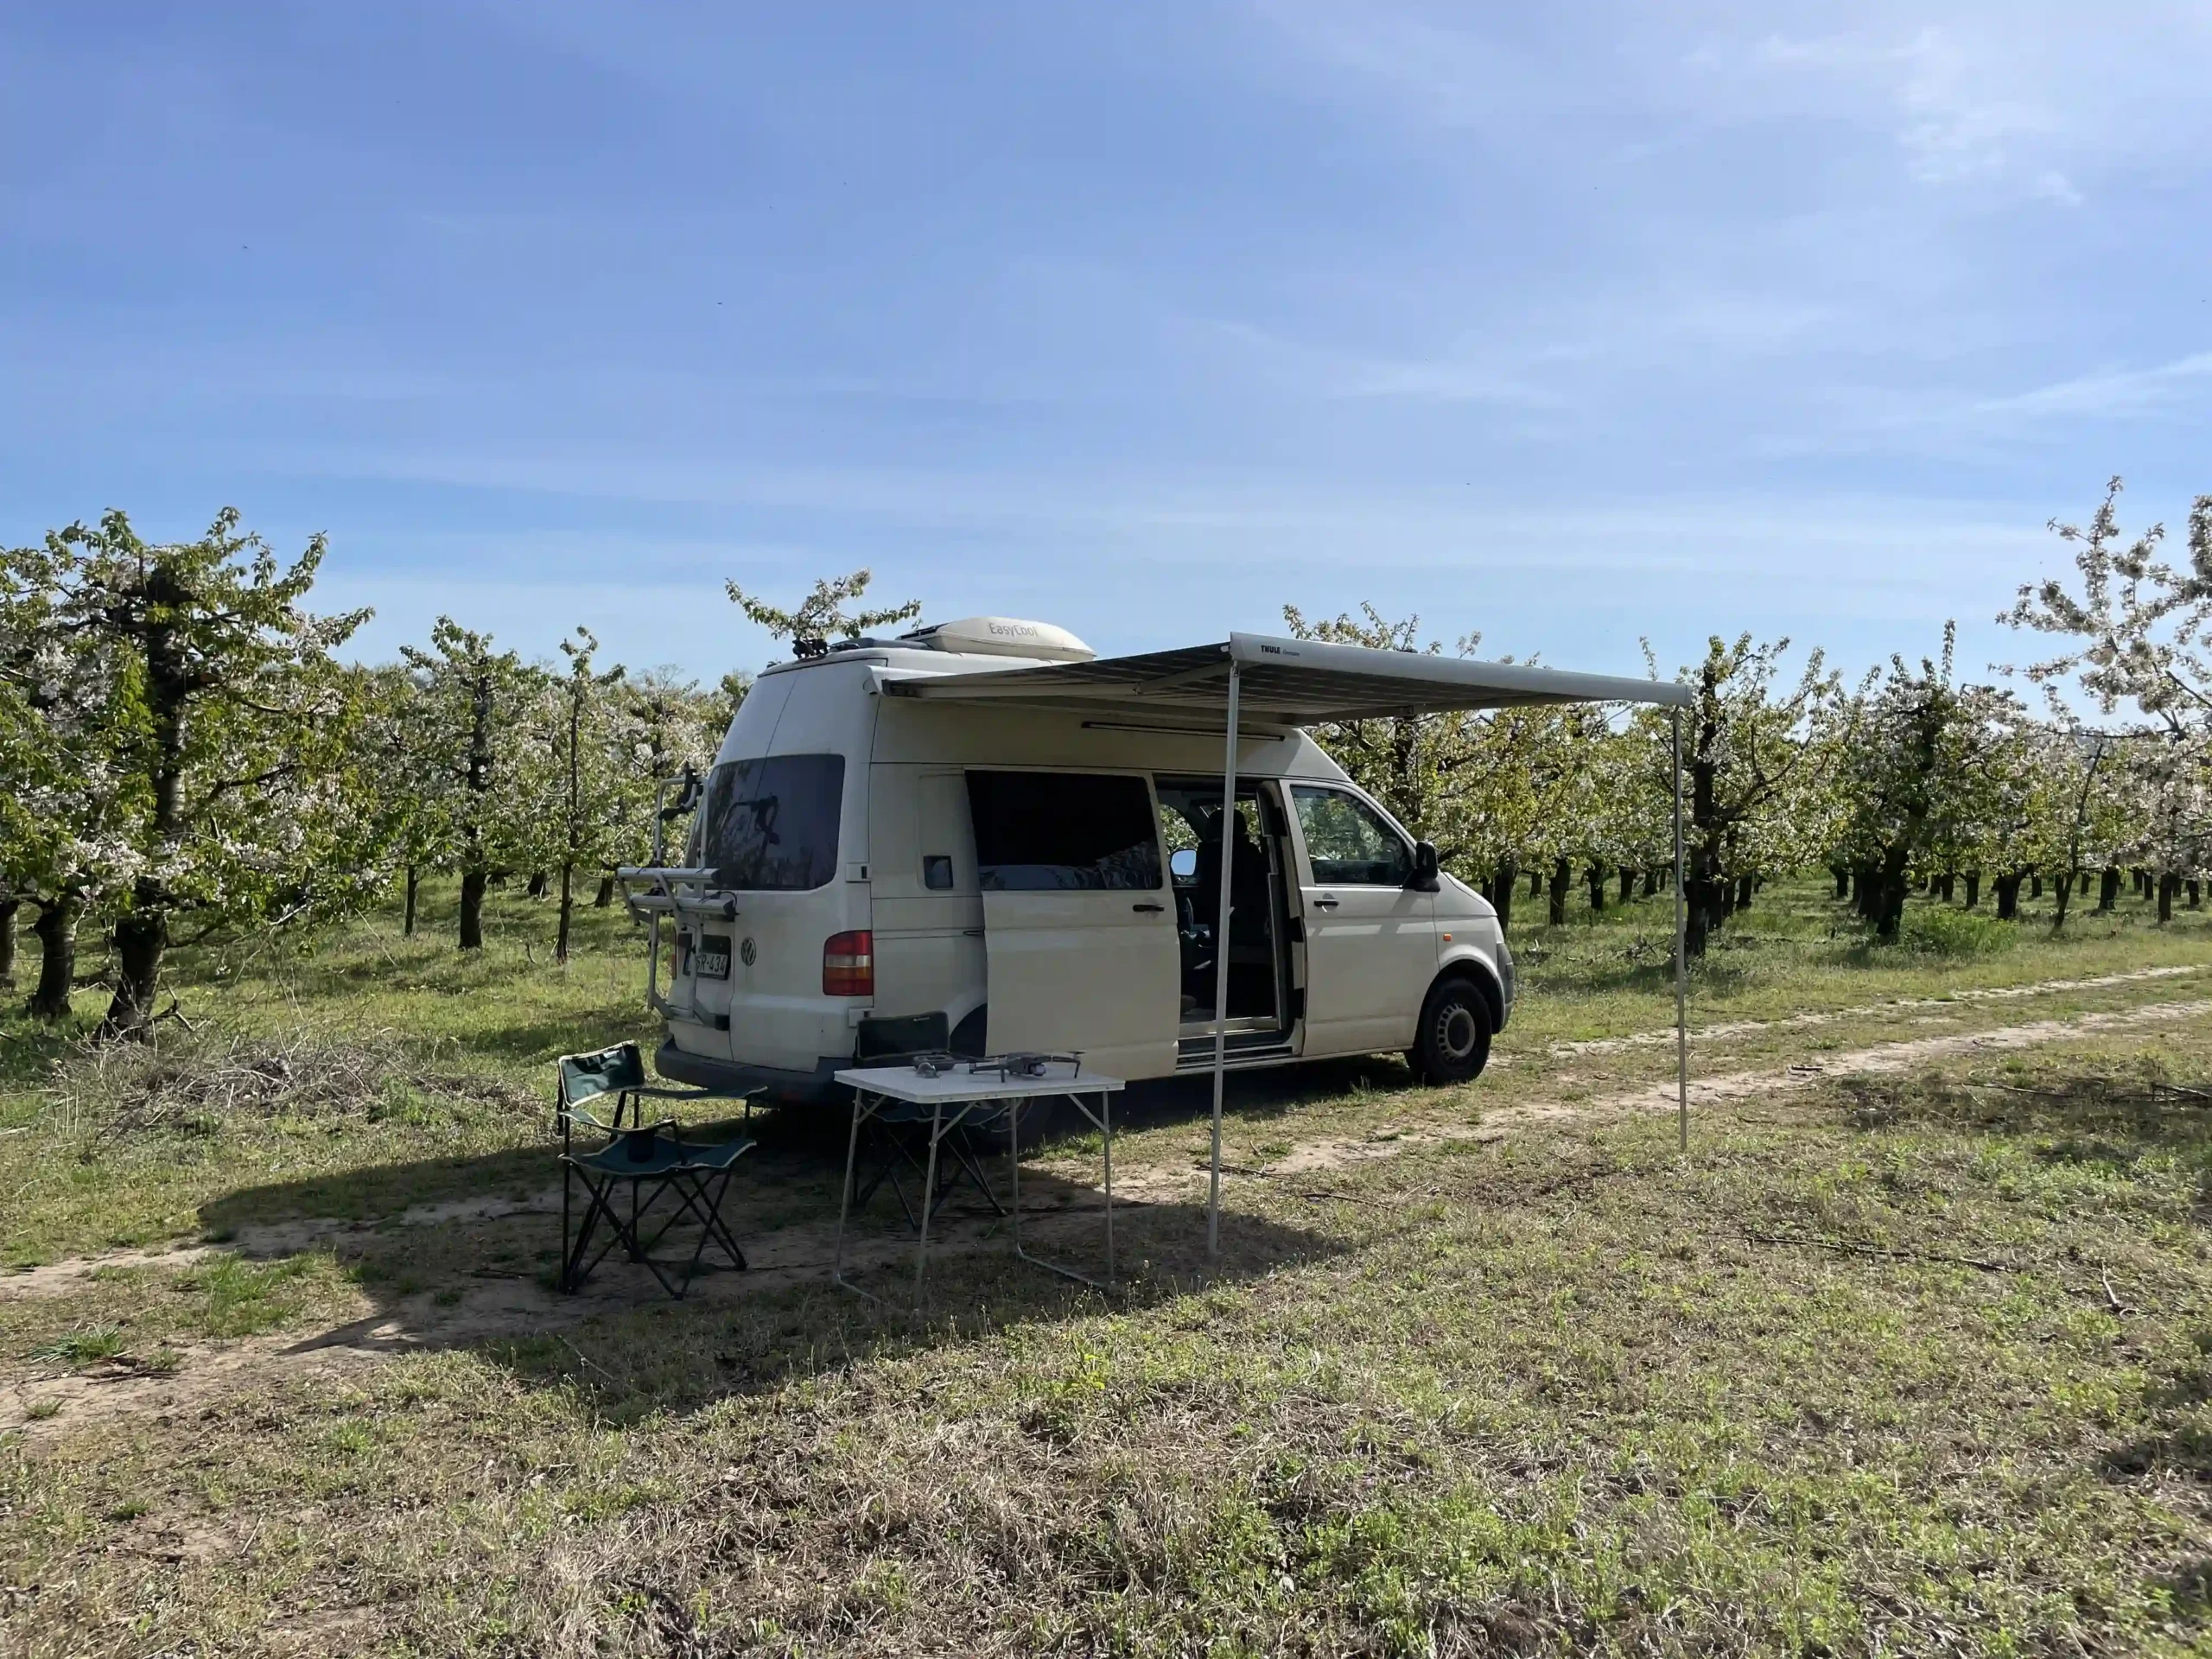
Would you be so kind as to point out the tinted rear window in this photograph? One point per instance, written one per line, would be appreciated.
(772, 824)
(1039, 830)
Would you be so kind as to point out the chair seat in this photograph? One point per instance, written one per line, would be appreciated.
(719, 1156)
(643, 1155)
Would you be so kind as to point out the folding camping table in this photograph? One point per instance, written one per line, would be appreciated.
(947, 1101)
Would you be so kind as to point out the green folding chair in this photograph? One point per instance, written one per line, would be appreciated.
(651, 1163)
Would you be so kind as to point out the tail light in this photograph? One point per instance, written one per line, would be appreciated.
(848, 965)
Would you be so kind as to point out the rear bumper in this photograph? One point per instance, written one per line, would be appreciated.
(778, 1085)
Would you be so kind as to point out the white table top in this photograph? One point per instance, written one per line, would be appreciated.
(904, 1082)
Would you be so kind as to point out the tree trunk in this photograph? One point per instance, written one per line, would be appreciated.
(472, 910)
(1597, 874)
(1889, 910)
(1651, 881)
(2064, 888)
(9, 907)
(1843, 874)
(1503, 882)
(2139, 882)
(1562, 879)
(2167, 882)
(1628, 883)
(56, 928)
(1701, 909)
(413, 883)
(1744, 886)
(2035, 886)
(607, 894)
(2086, 878)
(1945, 886)
(538, 883)
(141, 937)
(567, 909)
(2108, 890)
(1535, 884)
(2008, 897)
(2195, 894)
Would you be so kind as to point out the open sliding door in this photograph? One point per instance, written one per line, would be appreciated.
(1079, 922)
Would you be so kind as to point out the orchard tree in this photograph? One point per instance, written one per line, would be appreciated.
(586, 760)
(60, 719)
(659, 725)
(1917, 749)
(1751, 766)
(475, 757)
(224, 723)
(2139, 630)
(396, 755)
(1415, 764)
(821, 616)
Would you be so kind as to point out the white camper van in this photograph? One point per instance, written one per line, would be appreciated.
(871, 874)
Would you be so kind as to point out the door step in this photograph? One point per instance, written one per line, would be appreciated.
(1245, 1048)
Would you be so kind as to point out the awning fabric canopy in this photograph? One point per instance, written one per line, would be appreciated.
(1286, 683)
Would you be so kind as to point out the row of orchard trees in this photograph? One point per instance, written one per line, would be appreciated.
(1911, 777)
(186, 756)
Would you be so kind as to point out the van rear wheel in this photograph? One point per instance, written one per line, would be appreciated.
(1452, 1044)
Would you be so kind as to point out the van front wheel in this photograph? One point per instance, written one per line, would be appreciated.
(1452, 1044)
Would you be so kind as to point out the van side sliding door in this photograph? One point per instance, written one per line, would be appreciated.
(1078, 920)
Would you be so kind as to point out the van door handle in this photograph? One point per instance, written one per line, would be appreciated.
(1325, 904)
(1148, 910)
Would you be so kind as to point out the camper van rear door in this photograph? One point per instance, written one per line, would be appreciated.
(1077, 924)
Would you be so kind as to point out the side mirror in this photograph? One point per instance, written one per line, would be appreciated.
(1183, 864)
(1424, 877)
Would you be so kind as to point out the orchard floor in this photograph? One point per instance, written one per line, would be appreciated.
(1911, 1352)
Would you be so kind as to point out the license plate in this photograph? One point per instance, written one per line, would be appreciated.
(710, 959)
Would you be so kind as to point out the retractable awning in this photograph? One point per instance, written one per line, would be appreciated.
(1285, 682)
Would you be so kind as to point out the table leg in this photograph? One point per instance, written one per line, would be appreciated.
(845, 1201)
(1013, 1168)
(1103, 1126)
(1106, 1131)
(929, 1199)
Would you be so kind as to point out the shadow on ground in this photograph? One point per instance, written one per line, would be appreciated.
(463, 1253)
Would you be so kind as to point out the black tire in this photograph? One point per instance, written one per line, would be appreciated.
(1452, 1043)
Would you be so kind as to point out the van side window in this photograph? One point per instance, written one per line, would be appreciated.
(1347, 844)
(1046, 830)
(772, 823)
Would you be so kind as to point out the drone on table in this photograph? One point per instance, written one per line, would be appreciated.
(938, 1063)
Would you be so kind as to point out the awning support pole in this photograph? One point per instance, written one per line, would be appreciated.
(1681, 960)
(1221, 966)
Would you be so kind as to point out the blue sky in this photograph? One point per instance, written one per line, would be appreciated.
(1568, 324)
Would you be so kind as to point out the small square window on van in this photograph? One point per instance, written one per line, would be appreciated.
(936, 870)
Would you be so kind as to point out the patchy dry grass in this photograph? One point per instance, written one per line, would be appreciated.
(1905, 1363)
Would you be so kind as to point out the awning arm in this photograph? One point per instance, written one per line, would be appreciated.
(1220, 963)
(1681, 959)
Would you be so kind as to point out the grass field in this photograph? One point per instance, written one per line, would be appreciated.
(1912, 1352)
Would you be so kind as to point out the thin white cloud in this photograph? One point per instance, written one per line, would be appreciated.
(2114, 395)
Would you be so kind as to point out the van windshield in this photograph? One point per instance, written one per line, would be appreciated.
(772, 823)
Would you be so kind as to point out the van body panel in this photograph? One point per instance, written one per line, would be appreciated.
(928, 915)
(1093, 971)
(1371, 950)
(778, 1017)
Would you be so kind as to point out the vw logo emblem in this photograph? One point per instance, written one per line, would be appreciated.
(749, 953)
